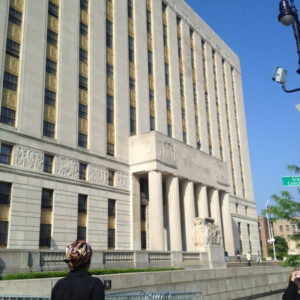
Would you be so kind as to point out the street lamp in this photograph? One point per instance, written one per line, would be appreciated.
(288, 15)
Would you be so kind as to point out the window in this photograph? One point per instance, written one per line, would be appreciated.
(49, 129)
(50, 97)
(132, 120)
(47, 198)
(12, 48)
(83, 111)
(184, 137)
(48, 163)
(82, 140)
(53, 10)
(109, 71)
(111, 238)
(83, 29)
(84, 4)
(151, 95)
(51, 37)
(82, 203)
(169, 130)
(131, 83)
(50, 66)
(130, 9)
(167, 73)
(111, 208)
(83, 55)
(110, 149)
(181, 85)
(109, 33)
(143, 240)
(294, 227)
(82, 171)
(15, 16)
(168, 105)
(164, 7)
(152, 123)
(8, 116)
(81, 233)
(182, 113)
(5, 189)
(10, 81)
(131, 48)
(287, 227)
(109, 109)
(5, 155)
(192, 58)
(45, 235)
(148, 21)
(179, 47)
(194, 93)
(111, 177)
(150, 62)
(165, 34)
(83, 83)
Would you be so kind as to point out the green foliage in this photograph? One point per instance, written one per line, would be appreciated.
(281, 248)
(286, 208)
(35, 275)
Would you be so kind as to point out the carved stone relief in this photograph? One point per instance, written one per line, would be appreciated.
(206, 233)
(28, 158)
(122, 180)
(221, 174)
(65, 166)
(167, 153)
(97, 174)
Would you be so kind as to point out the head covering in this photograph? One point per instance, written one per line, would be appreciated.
(78, 254)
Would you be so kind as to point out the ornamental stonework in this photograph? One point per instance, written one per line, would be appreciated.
(28, 158)
(167, 153)
(97, 174)
(122, 180)
(67, 167)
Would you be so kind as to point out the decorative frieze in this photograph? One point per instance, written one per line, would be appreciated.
(167, 153)
(28, 158)
(66, 167)
(98, 174)
(122, 180)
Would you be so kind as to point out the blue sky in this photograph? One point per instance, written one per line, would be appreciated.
(252, 31)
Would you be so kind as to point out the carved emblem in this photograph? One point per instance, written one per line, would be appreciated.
(220, 173)
(28, 158)
(122, 180)
(66, 167)
(167, 152)
(98, 174)
(206, 233)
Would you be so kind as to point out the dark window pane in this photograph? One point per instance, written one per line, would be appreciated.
(81, 233)
(109, 109)
(83, 29)
(5, 189)
(111, 177)
(50, 97)
(83, 55)
(15, 16)
(49, 129)
(3, 233)
(110, 149)
(143, 240)
(51, 37)
(83, 83)
(5, 155)
(12, 48)
(109, 71)
(82, 140)
(45, 235)
(47, 196)
(48, 159)
(53, 10)
(82, 203)
(10, 81)
(111, 238)
(50, 66)
(83, 111)
(84, 4)
(152, 123)
(111, 208)
(82, 171)
(109, 33)
(8, 116)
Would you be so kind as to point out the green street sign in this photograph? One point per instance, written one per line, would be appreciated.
(291, 180)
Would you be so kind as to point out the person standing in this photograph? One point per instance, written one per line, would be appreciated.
(78, 284)
(226, 256)
(238, 255)
(249, 258)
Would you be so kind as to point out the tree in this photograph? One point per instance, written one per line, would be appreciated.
(281, 248)
(287, 208)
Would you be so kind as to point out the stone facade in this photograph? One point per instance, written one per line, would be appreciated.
(159, 181)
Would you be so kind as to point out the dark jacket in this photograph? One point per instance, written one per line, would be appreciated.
(291, 293)
(78, 285)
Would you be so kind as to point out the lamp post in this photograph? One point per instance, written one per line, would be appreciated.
(288, 15)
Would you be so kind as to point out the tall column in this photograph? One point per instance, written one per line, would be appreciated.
(189, 213)
(201, 194)
(227, 224)
(215, 208)
(135, 202)
(156, 220)
(174, 214)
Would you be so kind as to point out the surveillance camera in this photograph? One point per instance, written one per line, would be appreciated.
(279, 75)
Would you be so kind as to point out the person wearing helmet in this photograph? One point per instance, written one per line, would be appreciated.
(78, 284)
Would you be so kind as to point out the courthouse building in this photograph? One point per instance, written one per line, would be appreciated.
(121, 122)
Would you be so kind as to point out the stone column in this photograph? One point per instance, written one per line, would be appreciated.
(201, 194)
(156, 220)
(227, 224)
(189, 213)
(135, 199)
(215, 208)
(174, 214)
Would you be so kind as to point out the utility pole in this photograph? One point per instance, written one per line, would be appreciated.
(271, 239)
